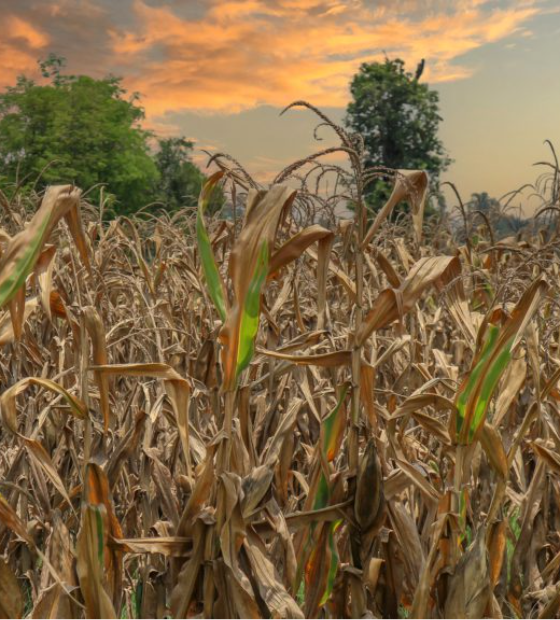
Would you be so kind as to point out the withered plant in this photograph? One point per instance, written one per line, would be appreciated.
(284, 414)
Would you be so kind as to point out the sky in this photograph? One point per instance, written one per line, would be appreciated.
(220, 71)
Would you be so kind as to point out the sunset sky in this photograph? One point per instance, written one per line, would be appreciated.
(219, 72)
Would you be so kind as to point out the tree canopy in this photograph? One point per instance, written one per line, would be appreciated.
(398, 117)
(77, 129)
(180, 179)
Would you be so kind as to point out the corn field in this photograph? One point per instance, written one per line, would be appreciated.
(282, 414)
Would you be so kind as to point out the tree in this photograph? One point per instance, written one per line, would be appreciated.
(503, 224)
(482, 201)
(398, 118)
(76, 129)
(180, 179)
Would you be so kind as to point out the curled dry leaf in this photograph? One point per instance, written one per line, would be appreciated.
(410, 185)
(393, 304)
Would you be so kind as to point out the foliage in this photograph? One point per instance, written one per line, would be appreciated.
(180, 180)
(76, 129)
(86, 131)
(398, 118)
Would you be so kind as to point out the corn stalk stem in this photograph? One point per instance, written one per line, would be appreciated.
(356, 588)
(456, 506)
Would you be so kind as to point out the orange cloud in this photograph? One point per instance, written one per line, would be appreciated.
(232, 55)
(19, 44)
(17, 28)
(242, 53)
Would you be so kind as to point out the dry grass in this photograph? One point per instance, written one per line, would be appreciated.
(390, 448)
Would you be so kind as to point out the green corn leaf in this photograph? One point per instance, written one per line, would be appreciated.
(483, 379)
(474, 375)
(333, 428)
(250, 311)
(22, 266)
(333, 568)
(322, 495)
(23, 250)
(476, 392)
(489, 384)
(209, 267)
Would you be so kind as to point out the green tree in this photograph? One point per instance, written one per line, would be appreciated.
(180, 179)
(398, 118)
(76, 129)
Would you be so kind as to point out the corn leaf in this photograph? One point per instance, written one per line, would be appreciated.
(90, 550)
(11, 596)
(474, 395)
(250, 310)
(248, 265)
(24, 249)
(209, 267)
(332, 428)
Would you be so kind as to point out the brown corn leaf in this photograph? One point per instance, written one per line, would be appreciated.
(98, 494)
(96, 331)
(426, 488)
(550, 457)
(17, 312)
(320, 569)
(178, 389)
(421, 602)
(326, 360)
(232, 537)
(182, 593)
(367, 377)
(274, 594)
(496, 550)
(513, 381)
(412, 186)
(41, 456)
(394, 279)
(91, 554)
(296, 246)
(9, 517)
(53, 602)
(8, 400)
(7, 334)
(469, 588)
(44, 272)
(393, 304)
(169, 546)
(491, 441)
(11, 597)
(418, 401)
(125, 448)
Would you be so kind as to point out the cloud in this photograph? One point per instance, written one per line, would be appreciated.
(20, 41)
(225, 56)
(240, 54)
